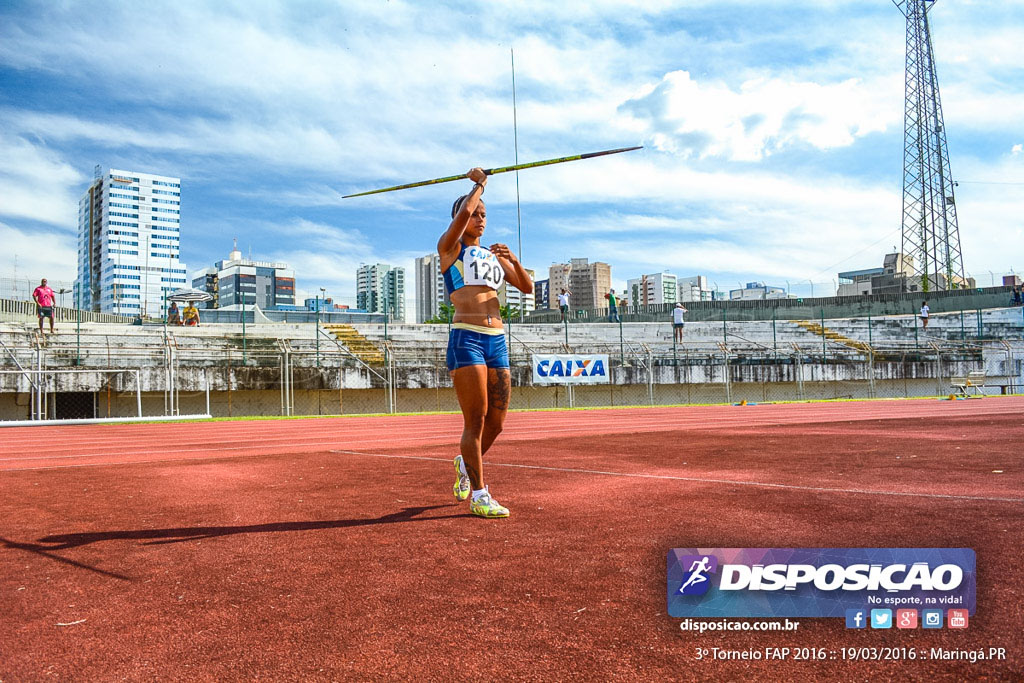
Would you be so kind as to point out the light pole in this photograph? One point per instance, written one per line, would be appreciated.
(318, 300)
(145, 300)
(812, 289)
(78, 325)
(243, 329)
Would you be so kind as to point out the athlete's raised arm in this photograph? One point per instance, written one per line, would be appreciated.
(448, 245)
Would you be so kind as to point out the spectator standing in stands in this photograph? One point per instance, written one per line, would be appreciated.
(43, 296)
(191, 315)
(613, 307)
(924, 315)
(173, 314)
(563, 303)
(677, 321)
(1016, 296)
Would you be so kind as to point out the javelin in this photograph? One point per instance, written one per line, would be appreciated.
(494, 171)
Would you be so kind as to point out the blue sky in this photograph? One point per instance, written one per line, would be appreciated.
(772, 130)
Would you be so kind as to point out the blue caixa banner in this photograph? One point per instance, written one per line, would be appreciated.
(816, 582)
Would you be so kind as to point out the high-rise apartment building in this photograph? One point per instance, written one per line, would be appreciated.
(541, 293)
(430, 290)
(588, 282)
(380, 288)
(558, 279)
(237, 282)
(129, 241)
(654, 288)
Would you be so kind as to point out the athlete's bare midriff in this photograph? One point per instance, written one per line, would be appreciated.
(477, 305)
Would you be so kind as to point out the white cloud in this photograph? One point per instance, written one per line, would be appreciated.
(700, 120)
(36, 183)
(322, 256)
(37, 254)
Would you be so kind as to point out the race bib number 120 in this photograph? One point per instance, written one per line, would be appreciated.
(482, 268)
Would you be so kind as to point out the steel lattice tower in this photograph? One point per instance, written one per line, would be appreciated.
(931, 237)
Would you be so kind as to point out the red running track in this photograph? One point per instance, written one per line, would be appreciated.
(331, 549)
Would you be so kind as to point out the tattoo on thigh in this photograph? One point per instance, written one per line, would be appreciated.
(498, 389)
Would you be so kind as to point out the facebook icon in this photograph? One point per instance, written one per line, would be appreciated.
(856, 618)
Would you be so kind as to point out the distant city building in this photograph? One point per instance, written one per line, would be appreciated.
(381, 287)
(756, 291)
(129, 240)
(509, 295)
(695, 288)
(558, 279)
(654, 288)
(237, 282)
(542, 293)
(857, 282)
(430, 291)
(588, 282)
(894, 276)
(324, 304)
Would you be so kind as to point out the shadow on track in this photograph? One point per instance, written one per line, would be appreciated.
(182, 534)
(44, 551)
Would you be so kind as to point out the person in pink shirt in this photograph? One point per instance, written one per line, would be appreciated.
(43, 297)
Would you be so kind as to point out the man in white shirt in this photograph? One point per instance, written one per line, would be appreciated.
(924, 315)
(563, 303)
(677, 321)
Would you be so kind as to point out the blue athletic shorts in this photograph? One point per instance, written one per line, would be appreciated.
(466, 347)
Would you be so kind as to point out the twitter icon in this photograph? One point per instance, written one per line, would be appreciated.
(881, 618)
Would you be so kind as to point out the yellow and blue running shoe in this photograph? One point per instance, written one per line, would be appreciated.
(462, 487)
(485, 506)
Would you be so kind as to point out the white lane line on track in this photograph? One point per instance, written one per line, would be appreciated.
(700, 480)
(533, 428)
(532, 431)
(447, 436)
(632, 421)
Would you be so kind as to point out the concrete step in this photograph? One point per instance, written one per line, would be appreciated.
(359, 345)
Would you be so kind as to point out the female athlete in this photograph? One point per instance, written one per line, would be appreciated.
(477, 352)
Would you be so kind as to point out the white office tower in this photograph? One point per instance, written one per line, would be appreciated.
(695, 289)
(430, 291)
(651, 289)
(129, 241)
(380, 288)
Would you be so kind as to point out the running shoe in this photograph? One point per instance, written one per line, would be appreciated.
(485, 506)
(462, 487)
